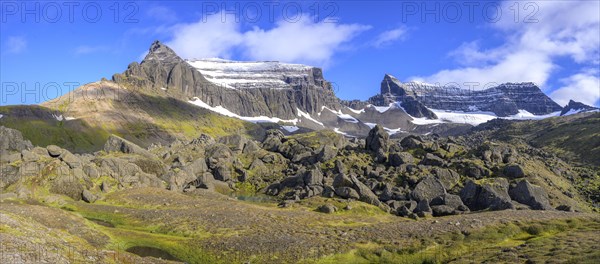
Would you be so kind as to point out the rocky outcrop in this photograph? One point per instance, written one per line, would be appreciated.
(532, 195)
(377, 142)
(490, 194)
(118, 144)
(12, 140)
(427, 189)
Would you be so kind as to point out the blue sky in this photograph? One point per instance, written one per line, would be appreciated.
(46, 47)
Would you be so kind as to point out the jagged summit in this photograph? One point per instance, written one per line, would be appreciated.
(161, 52)
(574, 107)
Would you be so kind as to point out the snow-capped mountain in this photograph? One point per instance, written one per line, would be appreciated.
(576, 107)
(298, 96)
(502, 100)
(250, 89)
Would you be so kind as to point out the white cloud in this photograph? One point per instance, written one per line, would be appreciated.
(564, 29)
(16, 44)
(213, 37)
(303, 41)
(582, 87)
(388, 37)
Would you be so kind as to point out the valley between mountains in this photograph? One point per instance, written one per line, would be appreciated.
(218, 161)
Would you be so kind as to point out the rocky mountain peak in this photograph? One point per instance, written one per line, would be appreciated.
(574, 107)
(159, 51)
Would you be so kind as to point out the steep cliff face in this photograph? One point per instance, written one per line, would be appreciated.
(503, 100)
(269, 89)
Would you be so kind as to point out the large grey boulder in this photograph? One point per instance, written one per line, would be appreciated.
(218, 155)
(327, 153)
(12, 139)
(432, 160)
(529, 194)
(222, 173)
(313, 177)
(71, 160)
(447, 204)
(327, 208)
(341, 180)
(491, 194)
(54, 151)
(398, 158)
(411, 142)
(118, 144)
(448, 177)
(423, 209)
(88, 196)
(378, 142)
(347, 193)
(272, 141)
(365, 194)
(514, 171)
(428, 188)
(236, 142)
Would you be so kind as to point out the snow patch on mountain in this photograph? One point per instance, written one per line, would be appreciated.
(249, 74)
(254, 119)
(371, 125)
(382, 109)
(337, 130)
(307, 116)
(525, 115)
(290, 129)
(577, 111)
(345, 117)
(358, 112)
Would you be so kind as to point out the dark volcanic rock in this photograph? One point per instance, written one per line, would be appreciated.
(529, 194)
(449, 178)
(347, 193)
(327, 208)
(427, 189)
(447, 204)
(491, 194)
(432, 160)
(514, 171)
(398, 158)
(377, 141)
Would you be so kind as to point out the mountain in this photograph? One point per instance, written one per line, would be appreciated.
(166, 97)
(576, 107)
(503, 100)
(247, 89)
